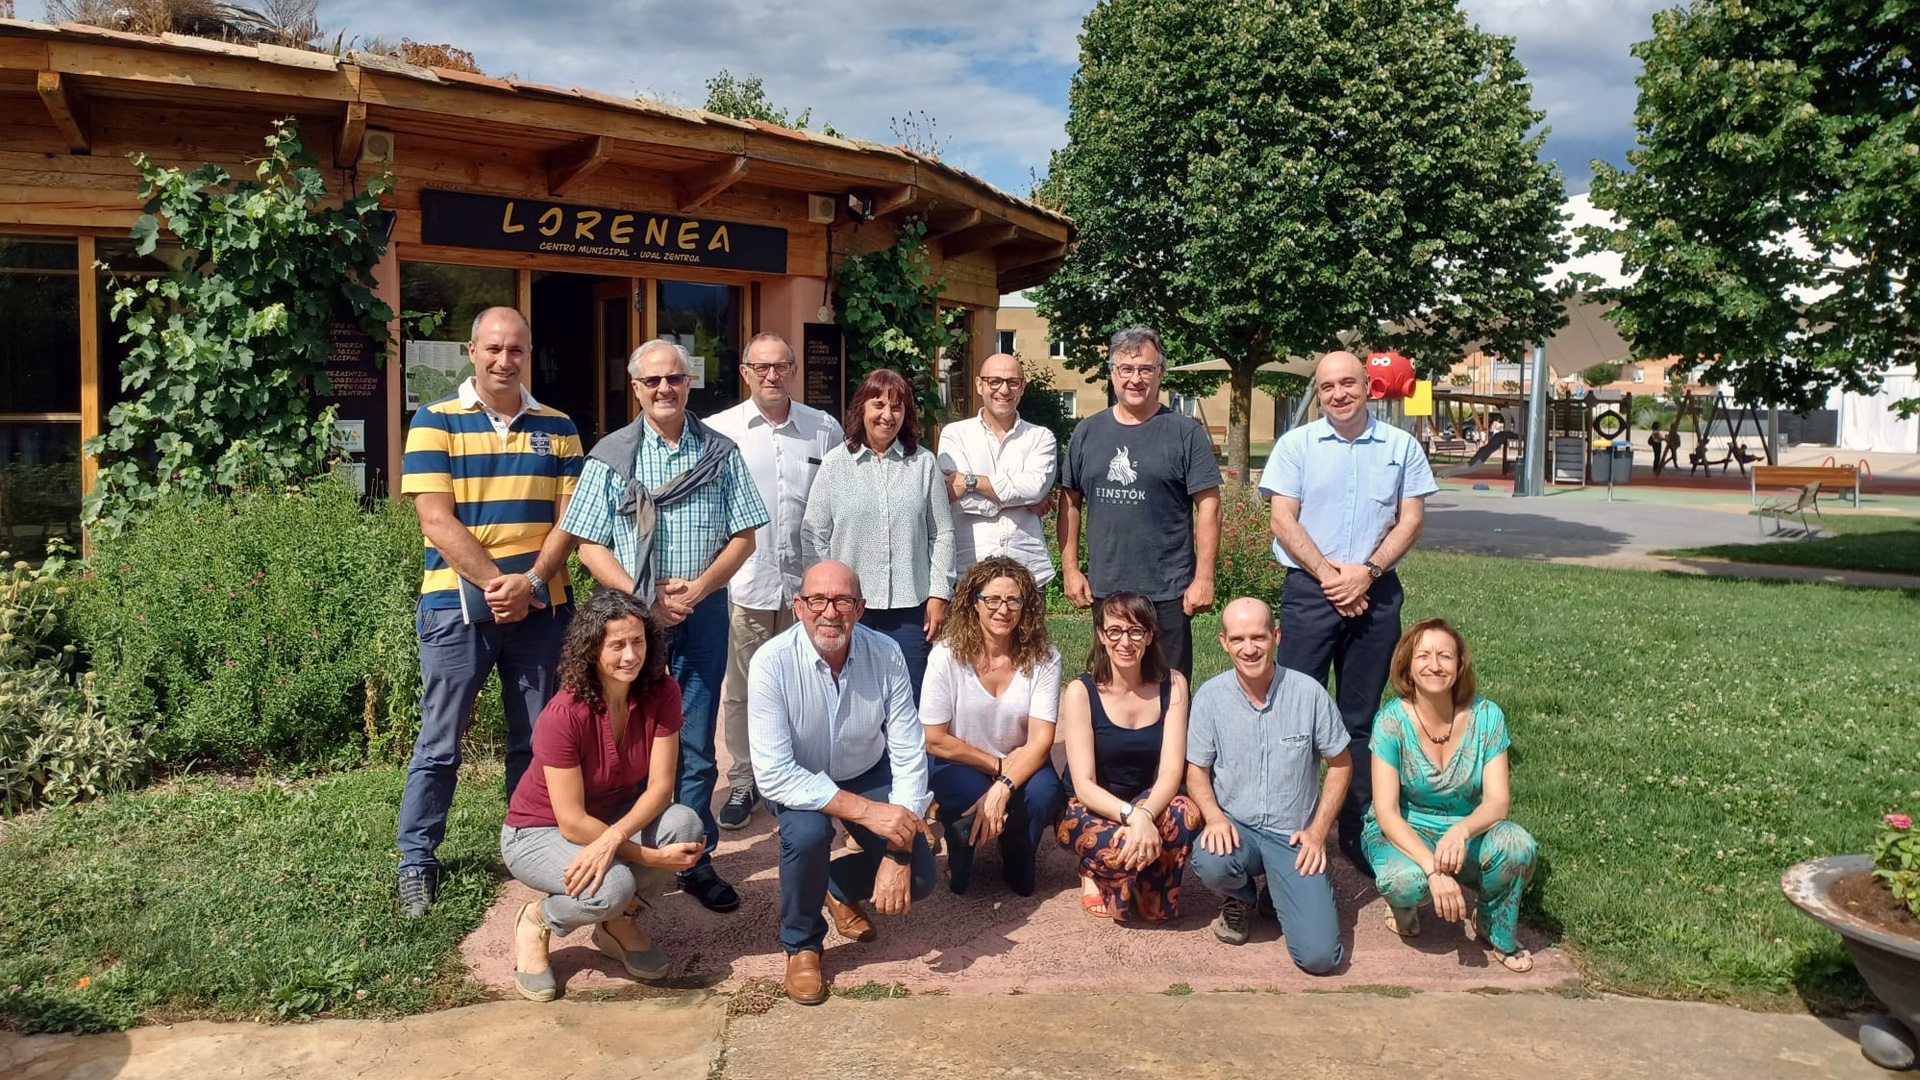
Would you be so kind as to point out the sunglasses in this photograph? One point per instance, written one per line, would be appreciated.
(651, 381)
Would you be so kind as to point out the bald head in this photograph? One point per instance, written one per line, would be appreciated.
(835, 588)
(999, 385)
(1340, 382)
(830, 578)
(1246, 612)
(1247, 634)
(1337, 361)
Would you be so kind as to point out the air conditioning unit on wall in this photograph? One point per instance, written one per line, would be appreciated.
(820, 209)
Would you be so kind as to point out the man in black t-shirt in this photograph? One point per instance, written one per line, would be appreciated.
(1146, 482)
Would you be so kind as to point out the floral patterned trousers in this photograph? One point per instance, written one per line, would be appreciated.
(1148, 895)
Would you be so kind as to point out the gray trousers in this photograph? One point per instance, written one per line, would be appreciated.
(538, 856)
(747, 630)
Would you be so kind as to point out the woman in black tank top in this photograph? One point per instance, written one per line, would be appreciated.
(1125, 723)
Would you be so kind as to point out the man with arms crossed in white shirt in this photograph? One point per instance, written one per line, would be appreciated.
(999, 470)
(782, 441)
(836, 736)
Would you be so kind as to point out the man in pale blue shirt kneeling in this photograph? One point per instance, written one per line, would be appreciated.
(1255, 738)
(835, 735)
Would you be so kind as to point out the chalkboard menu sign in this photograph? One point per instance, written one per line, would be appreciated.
(356, 381)
(824, 379)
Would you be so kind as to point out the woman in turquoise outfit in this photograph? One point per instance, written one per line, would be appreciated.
(1440, 798)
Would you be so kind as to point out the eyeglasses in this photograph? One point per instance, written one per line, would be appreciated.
(651, 381)
(995, 603)
(1113, 634)
(1002, 383)
(764, 370)
(1128, 371)
(818, 604)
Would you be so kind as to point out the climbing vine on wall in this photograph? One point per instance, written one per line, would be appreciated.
(887, 306)
(228, 350)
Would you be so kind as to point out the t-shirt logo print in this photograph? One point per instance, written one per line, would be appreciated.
(540, 443)
(1120, 470)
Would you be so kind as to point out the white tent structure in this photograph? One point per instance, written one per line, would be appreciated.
(1868, 423)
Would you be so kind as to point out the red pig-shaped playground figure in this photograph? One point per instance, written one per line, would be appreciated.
(1389, 375)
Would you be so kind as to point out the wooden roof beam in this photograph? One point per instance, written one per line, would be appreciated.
(702, 184)
(893, 200)
(981, 239)
(1018, 259)
(575, 162)
(940, 230)
(353, 133)
(69, 110)
(1026, 277)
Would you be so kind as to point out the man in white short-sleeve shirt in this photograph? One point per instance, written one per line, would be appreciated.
(1000, 470)
(782, 441)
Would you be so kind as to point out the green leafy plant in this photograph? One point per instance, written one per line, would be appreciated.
(1896, 859)
(1601, 374)
(887, 304)
(1246, 566)
(228, 350)
(264, 627)
(55, 746)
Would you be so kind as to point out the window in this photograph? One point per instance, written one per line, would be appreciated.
(1069, 403)
(1057, 349)
(1637, 374)
(1505, 372)
(39, 392)
(705, 320)
(437, 366)
(1006, 342)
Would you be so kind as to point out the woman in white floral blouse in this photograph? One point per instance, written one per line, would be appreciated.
(879, 505)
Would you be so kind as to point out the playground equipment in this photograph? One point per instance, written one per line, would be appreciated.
(1709, 414)
(1389, 376)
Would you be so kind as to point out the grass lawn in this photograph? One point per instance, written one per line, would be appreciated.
(209, 897)
(1678, 742)
(1860, 542)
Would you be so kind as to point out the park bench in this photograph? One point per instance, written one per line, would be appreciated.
(1793, 502)
(1833, 477)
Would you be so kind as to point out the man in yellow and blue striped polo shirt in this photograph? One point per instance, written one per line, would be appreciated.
(490, 471)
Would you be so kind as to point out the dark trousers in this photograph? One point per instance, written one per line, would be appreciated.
(697, 657)
(455, 659)
(1175, 633)
(806, 846)
(907, 627)
(1031, 811)
(1314, 639)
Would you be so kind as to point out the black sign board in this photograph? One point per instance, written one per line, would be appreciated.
(823, 380)
(543, 227)
(356, 382)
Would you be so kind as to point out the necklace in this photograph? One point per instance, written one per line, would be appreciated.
(1437, 740)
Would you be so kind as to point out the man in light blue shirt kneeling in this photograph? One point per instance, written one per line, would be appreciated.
(1255, 738)
(835, 734)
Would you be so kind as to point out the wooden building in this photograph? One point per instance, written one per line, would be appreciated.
(606, 220)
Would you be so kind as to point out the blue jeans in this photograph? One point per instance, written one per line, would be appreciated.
(1031, 811)
(906, 626)
(808, 869)
(1303, 903)
(455, 660)
(697, 657)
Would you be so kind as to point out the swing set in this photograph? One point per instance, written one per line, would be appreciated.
(1708, 413)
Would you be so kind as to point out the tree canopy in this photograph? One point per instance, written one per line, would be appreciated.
(746, 99)
(1768, 219)
(1255, 178)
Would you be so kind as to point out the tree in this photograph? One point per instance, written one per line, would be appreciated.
(226, 350)
(1600, 374)
(746, 99)
(1768, 219)
(1301, 170)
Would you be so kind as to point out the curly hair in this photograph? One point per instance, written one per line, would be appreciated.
(580, 653)
(883, 382)
(1135, 609)
(1400, 670)
(963, 632)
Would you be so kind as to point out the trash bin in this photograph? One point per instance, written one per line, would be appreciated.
(1613, 464)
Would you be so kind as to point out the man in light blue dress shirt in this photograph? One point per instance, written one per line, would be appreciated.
(835, 735)
(1349, 497)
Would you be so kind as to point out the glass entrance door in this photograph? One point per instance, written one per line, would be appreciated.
(705, 320)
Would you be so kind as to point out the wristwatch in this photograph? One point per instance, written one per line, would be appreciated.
(904, 858)
(973, 481)
(536, 581)
(1372, 570)
(1003, 778)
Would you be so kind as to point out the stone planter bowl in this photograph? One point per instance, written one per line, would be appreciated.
(1889, 962)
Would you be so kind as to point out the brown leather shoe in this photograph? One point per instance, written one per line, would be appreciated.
(850, 919)
(805, 985)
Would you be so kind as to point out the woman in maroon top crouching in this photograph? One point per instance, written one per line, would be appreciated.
(593, 823)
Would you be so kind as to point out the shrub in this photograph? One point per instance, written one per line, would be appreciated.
(1247, 566)
(262, 627)
(55, 746)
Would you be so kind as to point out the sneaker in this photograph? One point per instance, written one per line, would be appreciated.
(1231, 926)
(705, 885)
(419, 885)
(739, 808)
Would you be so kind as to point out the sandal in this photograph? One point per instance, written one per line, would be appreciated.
(1095, 905)
(1519, 962)
(537, 986)
(1410, 927)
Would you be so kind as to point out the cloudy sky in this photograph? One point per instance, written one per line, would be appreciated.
(992, 74)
